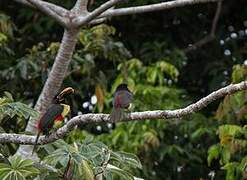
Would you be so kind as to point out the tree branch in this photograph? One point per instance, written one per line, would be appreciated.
(55, 79)
(81, 20)
(58, 9)
(140, 116)
(56, 12)
(209, 37)
(97, 21)
(216, 17)
(80, 7)
(152, 7)
(66, 49)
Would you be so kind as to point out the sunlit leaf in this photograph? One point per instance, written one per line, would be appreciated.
(17, 169)
(127, 158)
(100, 97)
(214, 153)
(121, 173)
(87, 170)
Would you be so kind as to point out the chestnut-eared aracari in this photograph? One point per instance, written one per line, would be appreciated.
(54, 116)
(121, 100)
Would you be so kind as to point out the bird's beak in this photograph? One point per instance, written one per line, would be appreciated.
(65, 92)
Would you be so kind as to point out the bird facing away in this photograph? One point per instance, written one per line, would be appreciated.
(121, 100)
(54, 116)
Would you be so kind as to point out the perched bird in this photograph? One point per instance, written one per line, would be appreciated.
(121, 100)
(54, 116)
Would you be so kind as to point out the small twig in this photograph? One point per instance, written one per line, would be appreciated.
(140, 116)
(97, 21)
(209, 37)
(216, 17)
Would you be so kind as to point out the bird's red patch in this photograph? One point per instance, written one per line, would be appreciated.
(118, 102)
(38, 123)
(59, 118)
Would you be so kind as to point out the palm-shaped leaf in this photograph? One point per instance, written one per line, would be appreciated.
(17, 169)
(10, 108)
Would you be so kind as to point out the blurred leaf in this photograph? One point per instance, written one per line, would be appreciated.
(100, 97)
(228, 132)
(87, 171)
(239, 73)
(226, 155)
(11, 109)
(121, 173)
(127, 159)
(231, 170)
(214, 153)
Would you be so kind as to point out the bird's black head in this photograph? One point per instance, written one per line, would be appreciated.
(122, 87)
(60, 97)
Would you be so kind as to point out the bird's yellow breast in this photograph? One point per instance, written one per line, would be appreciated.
(58, 124)
(66, 110)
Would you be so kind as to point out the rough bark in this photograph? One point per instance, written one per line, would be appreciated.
(81, 20)
(140, 116)
(79, 16)
(54, 80)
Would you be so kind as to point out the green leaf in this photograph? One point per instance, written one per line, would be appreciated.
(239, 73)
(17, 169)
(168, 68)
(199, 132)
(11, 109)
(9, 96)
(243, 164)
(213, 153)
(121, 173)
(231, 170)
(127, 159)
(87, 170)
(152, 73)
(108, 175)
(229, 130)
(226, 155)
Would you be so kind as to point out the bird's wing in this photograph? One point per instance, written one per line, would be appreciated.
(47, 120)
(125, 98)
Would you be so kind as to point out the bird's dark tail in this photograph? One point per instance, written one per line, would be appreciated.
(36, 141)
(117, 114)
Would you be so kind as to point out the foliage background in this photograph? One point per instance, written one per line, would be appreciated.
(147, 51)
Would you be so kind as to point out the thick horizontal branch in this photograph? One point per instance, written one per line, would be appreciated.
(152, 7)
(96, 118)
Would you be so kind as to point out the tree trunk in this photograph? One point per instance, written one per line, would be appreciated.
(53, 83)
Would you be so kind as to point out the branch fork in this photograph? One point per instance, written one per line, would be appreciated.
(72, 20)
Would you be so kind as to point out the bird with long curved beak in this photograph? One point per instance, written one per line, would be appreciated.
(121, 101)
(53, 118)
